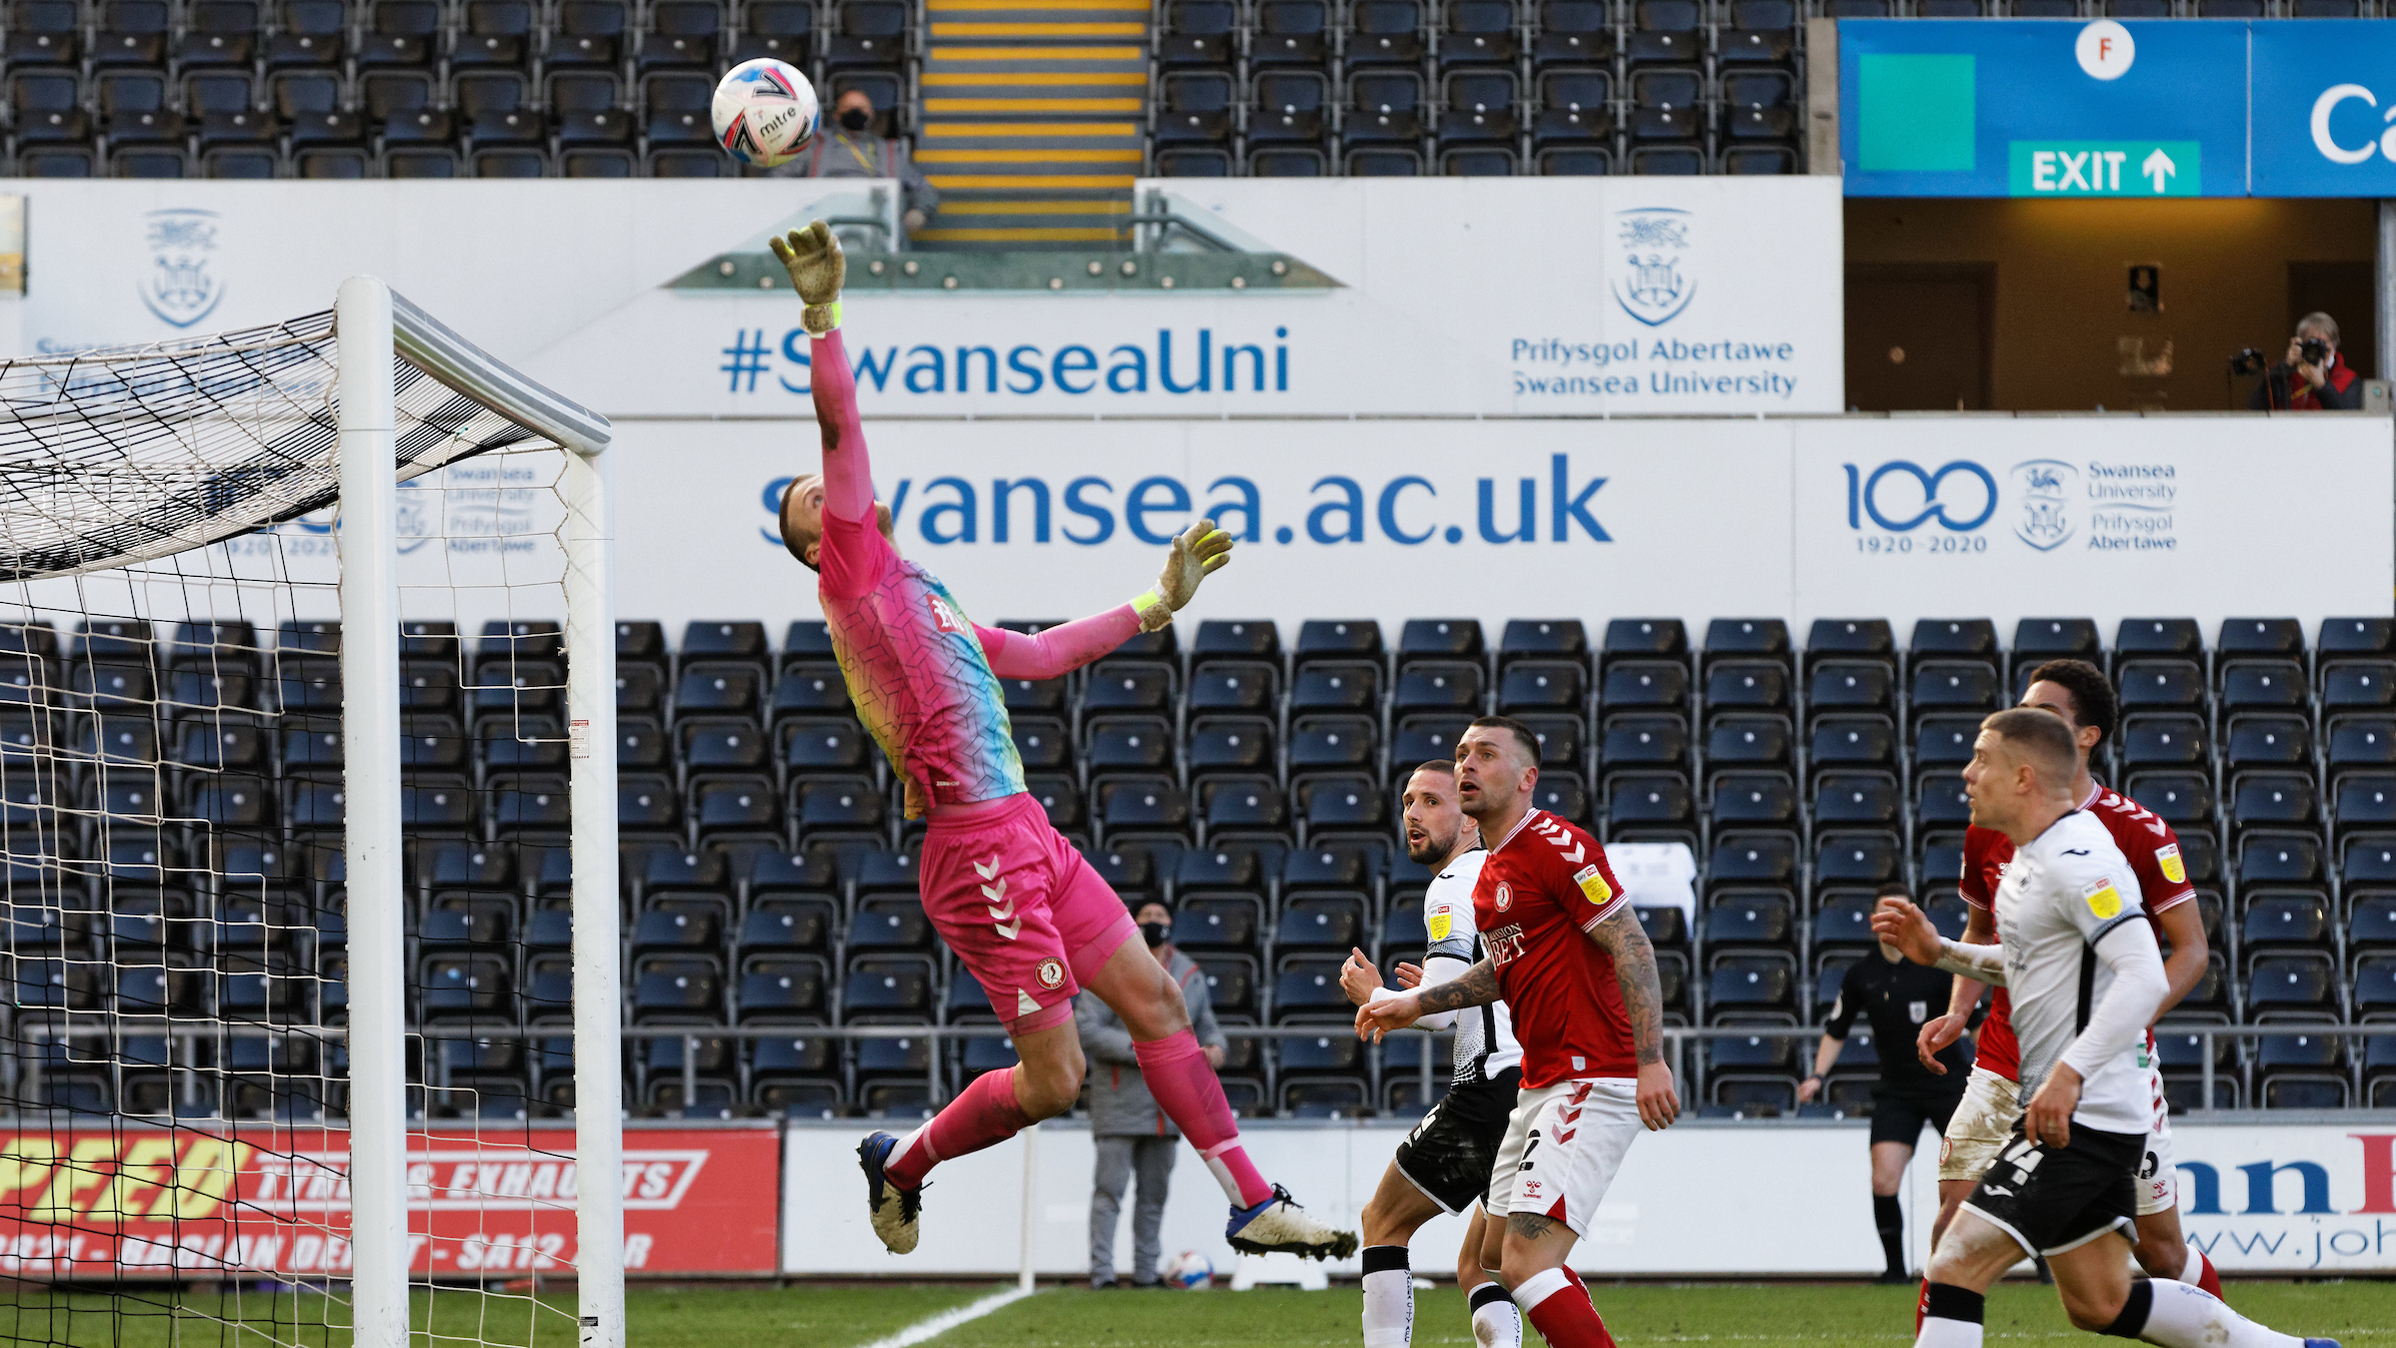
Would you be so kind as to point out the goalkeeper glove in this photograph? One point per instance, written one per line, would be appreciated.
(817, 269)
(1199, 552)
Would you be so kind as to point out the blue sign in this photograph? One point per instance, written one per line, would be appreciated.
(2323, 95)
(2033, 107)
(2062, 108)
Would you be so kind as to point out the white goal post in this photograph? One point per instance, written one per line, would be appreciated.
(177, 1019)
(371, 324)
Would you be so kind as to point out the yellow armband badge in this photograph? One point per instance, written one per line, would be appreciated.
(2167, 859)
(2103, 899)
(1593, 883)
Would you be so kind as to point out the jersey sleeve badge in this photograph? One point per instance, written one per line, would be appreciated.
(1593, 883)
(2167, 859)
(1441, 923)
(2103, 899)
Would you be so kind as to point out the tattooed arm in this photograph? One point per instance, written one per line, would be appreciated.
(1621, 936)
(1476, 986)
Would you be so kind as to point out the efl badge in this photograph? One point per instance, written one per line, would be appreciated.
(2168, 859)
(1441, 923)
(1594, 885)
(2103, 899)
(1051, 974)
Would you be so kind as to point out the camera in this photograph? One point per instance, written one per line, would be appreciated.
(2310, 350)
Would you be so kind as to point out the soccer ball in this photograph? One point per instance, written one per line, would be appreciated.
(1190, 1271)
(765, 112)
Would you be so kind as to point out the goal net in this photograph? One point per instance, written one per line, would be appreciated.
(307, 815)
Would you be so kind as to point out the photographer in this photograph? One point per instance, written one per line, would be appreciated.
(2312, 378)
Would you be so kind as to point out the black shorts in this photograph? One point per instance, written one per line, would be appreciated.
(1899, 1112)
(1450, 1153)
(2051, 1200)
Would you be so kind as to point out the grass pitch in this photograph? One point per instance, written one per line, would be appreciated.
(2361, 1314)
(1829, 1315)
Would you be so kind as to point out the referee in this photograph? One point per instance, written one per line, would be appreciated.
(1896, 996)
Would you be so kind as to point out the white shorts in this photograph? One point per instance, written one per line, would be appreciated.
(2158, 1178)
(1982, 1123)
(1563, 1146)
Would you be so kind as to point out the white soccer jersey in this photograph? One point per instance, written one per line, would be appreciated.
(2065, 892)
(1485, 1043)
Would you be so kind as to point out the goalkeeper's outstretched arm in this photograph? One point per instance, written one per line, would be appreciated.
(1199, 552)
(817, 270)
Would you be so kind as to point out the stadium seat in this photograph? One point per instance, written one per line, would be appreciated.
(1197, 33)
(1290, 32)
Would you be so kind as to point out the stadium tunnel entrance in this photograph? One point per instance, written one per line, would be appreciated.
(2040, 305)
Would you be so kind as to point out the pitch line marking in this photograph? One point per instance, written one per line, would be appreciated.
(942, 1323)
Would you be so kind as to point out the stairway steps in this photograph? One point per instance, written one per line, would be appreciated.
(1033, 121)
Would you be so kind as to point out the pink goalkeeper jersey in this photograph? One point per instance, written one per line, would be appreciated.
(923, 677)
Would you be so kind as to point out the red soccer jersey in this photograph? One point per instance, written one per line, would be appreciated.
(2153, 851)
(1541, 891)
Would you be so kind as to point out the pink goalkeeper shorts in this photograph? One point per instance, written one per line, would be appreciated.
(1021, 908)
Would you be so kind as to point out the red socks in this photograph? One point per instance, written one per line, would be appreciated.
(2207, 1280)
(1187, 1090)
(1921, 1306)
(1559, 1308)
(983, 1116)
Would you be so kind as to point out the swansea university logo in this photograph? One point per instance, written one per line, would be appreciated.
(180, 287)
(1652, 282)
(2045, 487)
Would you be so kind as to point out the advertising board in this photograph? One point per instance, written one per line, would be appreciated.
(1699, 1199)
(1997, 517)
(136, 1202)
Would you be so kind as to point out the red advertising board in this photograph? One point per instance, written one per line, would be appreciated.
(137, 1202)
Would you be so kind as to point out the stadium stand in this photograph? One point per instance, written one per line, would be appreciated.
(769, 870)
(615, 88)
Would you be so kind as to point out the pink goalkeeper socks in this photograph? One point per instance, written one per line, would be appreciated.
(983, 1116)
(1186, 1089)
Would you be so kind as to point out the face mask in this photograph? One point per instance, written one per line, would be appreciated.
(1156, 933)
(855, 119)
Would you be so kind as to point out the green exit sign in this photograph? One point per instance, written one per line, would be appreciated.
(2105, 168)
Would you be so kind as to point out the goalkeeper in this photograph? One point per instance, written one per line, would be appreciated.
(1014, 900)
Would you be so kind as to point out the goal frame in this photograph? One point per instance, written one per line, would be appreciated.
(373, 327)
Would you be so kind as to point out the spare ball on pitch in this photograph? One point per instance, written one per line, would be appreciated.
(1190, 1271)
(765, 112)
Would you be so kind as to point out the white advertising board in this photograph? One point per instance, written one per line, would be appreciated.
(1489, 297)
(1541, 297)
(512, 265)
(2103, 517)
(2258, 1198)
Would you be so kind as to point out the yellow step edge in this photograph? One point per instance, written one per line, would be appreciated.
(1025, 79)
(955, 130)
(1027, 156)
(1029, 182)
(941, 30)
(1025, 6)
(952, 208)
(1054, 234)
(1038, 54)
(931, 105)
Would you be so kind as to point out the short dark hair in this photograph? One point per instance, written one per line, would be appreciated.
(2093, 700)
(1140, 901)
(2041, 735)
(1446, 765)
(1523, 734)
(1893, 889)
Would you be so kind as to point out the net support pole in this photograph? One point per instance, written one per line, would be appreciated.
(378, 1103)
(598, 942)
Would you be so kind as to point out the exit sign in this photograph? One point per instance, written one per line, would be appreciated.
(2105, 168)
